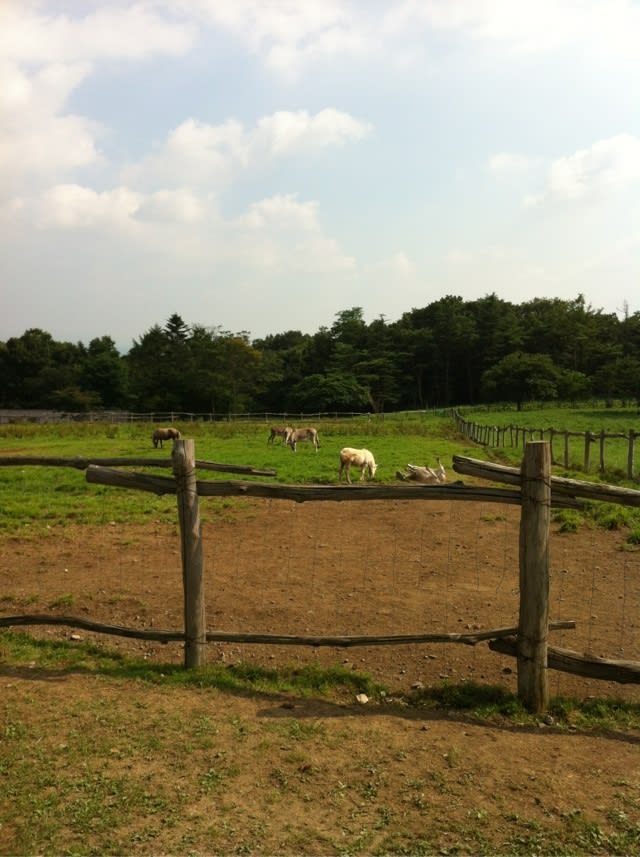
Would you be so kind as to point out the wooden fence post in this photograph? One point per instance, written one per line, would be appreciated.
(588, 437)
(533, 623)
(195, 630)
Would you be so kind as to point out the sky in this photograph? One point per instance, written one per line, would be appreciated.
(263, 165)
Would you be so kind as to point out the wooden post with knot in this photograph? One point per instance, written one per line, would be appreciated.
(195, 630)
(533, 626)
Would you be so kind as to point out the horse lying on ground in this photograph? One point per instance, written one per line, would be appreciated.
(164, 434)
(429, 475)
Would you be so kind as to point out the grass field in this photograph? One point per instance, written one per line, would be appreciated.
(38, 496)
(594, 420)
(33, 498)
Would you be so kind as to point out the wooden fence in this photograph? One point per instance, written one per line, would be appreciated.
(519, 436)
(536, 492)
(42, 415)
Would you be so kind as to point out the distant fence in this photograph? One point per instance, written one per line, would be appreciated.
(535, 491)
(559, 440)
(25, 415)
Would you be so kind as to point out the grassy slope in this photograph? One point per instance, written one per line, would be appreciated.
(579, 420)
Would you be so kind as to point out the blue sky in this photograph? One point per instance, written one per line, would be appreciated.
(261, 165)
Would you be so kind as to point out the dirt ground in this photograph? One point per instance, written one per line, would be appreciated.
(356, 568)
(352, 568)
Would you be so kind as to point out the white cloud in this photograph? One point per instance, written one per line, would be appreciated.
(282, 212)
(178, 206)
(289, 35)
(282, 233)
(34, 139)
(285, 132)
(396, 267)
(510, 164)
(45, 58)
(593, 173)
(194, 153)
(198, 153)
(74, 207)
(286, 33)
(131, 31)
(609, 27)
(278, 234)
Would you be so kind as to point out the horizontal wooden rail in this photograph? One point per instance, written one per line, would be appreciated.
(560, 487)
(565, 660)
(84, 463)
(90, 625)
(308, 493)
(269, 639)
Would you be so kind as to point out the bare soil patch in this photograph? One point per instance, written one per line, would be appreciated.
(364, 778)
(353, 568)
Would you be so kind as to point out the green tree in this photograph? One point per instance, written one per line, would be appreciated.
(521, 377)
(176, 330)
(147, 363)
(451, 350)
(105, 373)
(335, 391)
(239, 372)
(349, 327)
(413, 347)
(287, 360)
(618, 378)
(572, 385)
(573, 334)
(37, 368)
(498, 333)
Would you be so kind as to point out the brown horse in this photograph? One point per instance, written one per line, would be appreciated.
(164, 434)
(310, 434)
(279, 431)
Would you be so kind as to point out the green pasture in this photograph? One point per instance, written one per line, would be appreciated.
(35, 498)
(561, 419)
(594, 420)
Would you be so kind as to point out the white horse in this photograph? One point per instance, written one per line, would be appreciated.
(361, 458)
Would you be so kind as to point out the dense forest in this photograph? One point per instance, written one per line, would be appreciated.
(450, 352)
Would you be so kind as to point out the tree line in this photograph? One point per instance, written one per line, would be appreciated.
(449, 352)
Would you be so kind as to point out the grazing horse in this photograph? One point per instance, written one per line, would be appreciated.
(279, 431)
(164, 434)
(309, 434)
(361, 458)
